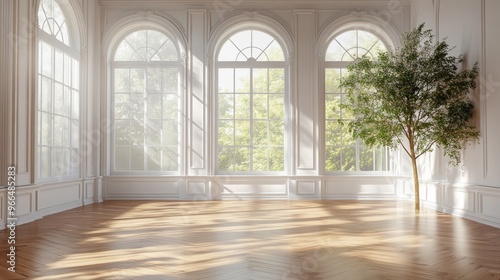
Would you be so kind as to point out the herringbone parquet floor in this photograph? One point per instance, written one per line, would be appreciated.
(253, 240)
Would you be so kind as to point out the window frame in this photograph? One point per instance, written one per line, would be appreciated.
(342, 65)
(285, 65)
(72, 50)
(178, 64)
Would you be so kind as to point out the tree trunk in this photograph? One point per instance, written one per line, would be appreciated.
(413, 157)
(415, 182)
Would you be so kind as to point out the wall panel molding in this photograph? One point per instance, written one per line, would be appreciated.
(197, 100)
(474, 202)
(305, 91)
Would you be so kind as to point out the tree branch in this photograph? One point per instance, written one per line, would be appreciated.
(403, 145)
(429, 146)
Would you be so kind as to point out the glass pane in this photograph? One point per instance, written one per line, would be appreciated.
(276, 133)
(260, 133)
(171, 80)
(122, 80)
(168, 52)
(242, 80)
(242, 133)
(136, 133)
(332, 77)
(136, 80)
(76, 74)
(122, 132)
(122, 158)
(276, 159)
(122, 109)
(226, 133)
(381, 159)
(59, 66)
(334, 52)
(333, 133)
(260, 159)
(349, 159)
(276, 106)
(170, 106)
(59, 107)
(75, 134)
(46, 53)
(226, 106)
(274, 52)
(124, 52)
(260, 106)
(277, 80)
(333, 159)
(45, 162)
(242, 106)
(347, 137)
(170, 133)
(170, 159)
(61, 132)
(332, 106)
(46, 95)
(59, 166)
(75, 101)
(154, 132)
(136, 106)
(365, 159)
(137, 156)
(67, 69)
(226, 159)
(154, 105)
(137, 41)
(226, 80)
(242, 159)
(154, 158)
(228, 52)
(153, 83)
(260, 80)
(46, 129)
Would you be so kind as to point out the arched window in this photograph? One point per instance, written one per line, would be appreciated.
(58, 113)
(145, 103)
(342, 152)
(251, 78)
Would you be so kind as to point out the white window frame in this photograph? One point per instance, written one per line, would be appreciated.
(285, 65)
(179, 64)
(72, 51)
(343, 65)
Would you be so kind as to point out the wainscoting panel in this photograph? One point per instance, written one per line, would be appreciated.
(305, 188)
(359, 187)
(142, 188)
(254, 188)
(26, 205)
(478, 203)
(60, 197)
(89, 191)
(489, 206)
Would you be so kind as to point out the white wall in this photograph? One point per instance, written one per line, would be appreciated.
(471, 189)
(305, 26)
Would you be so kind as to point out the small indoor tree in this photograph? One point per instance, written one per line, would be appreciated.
(414, 97)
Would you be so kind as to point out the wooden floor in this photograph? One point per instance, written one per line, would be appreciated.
(253, 240)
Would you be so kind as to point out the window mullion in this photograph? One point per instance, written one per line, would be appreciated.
(251, 148)
(234, 119)
(145, 114)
